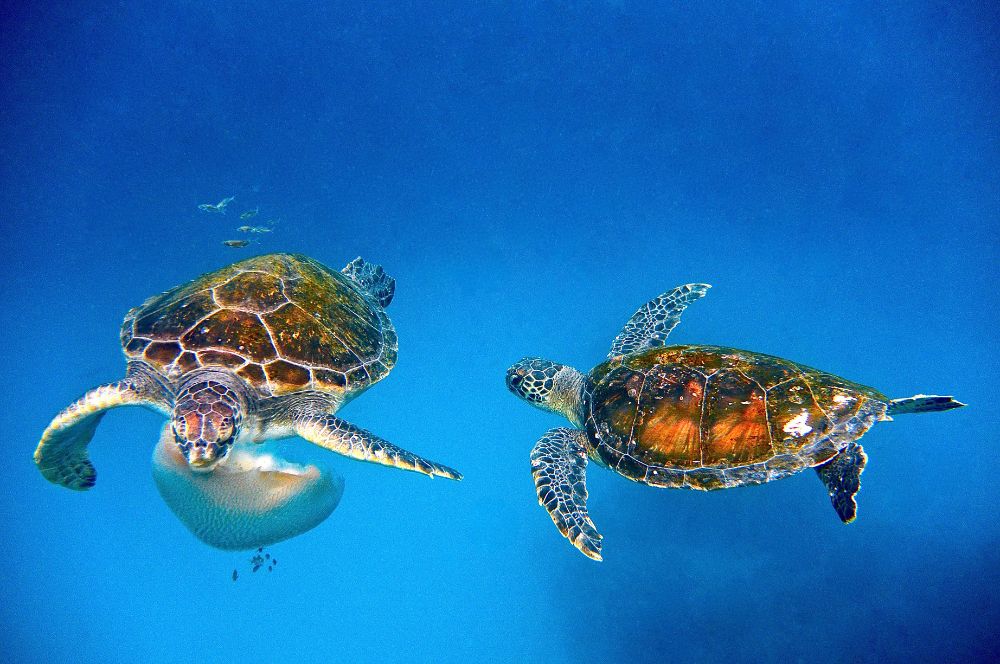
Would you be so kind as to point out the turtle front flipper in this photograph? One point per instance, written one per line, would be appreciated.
(842, 477)
(652, 323)
(344, 438)
(559, 466)
(61, 455)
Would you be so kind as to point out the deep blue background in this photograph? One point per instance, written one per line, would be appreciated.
(530, 175)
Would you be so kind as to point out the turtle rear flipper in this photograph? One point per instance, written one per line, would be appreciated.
(842, 477)
(372, 279)
(61, 454)
(559, 466)
(922, 403)
(651, 324)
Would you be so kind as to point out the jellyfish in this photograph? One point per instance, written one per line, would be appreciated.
(253, 500)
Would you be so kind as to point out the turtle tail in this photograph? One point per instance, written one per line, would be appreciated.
(372, 279)
(922, 403)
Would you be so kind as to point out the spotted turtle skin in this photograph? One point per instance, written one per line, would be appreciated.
(708, 417)
(283, 322)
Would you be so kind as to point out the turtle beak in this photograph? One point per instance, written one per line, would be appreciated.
(201, 456)
(515, 375)
(202, 459)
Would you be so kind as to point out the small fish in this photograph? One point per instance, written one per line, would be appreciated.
(219, 207)
(235, 575)
(256, 567)
(250, 214)
(244, 229)
(238, 244)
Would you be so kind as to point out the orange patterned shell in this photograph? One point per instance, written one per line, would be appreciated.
(283, 322)
(705, 410)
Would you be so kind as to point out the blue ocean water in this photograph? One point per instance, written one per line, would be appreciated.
(530, 173)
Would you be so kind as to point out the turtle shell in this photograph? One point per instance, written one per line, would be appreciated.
(283, 322)
(707, 417)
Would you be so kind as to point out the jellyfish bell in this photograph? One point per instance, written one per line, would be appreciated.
(251, 500)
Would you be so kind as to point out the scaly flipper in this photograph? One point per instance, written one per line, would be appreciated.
(373, 279)
(559, 466)
(344, 438)
(842, 477)
(651, 324)
(61, 455)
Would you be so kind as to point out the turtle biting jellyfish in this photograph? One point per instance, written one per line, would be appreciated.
(270, 347)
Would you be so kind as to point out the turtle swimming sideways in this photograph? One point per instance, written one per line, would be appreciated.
(695, 417)
(269, 347)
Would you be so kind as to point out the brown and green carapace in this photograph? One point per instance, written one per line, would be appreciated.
(662, 412)
(282, 322)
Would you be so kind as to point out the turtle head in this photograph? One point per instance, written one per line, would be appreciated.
(206, 422)
(548, 385)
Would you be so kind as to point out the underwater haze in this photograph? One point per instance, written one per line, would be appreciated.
(530, 173)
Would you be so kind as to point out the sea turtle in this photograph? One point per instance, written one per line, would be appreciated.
(695, 417)
(268, 347)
